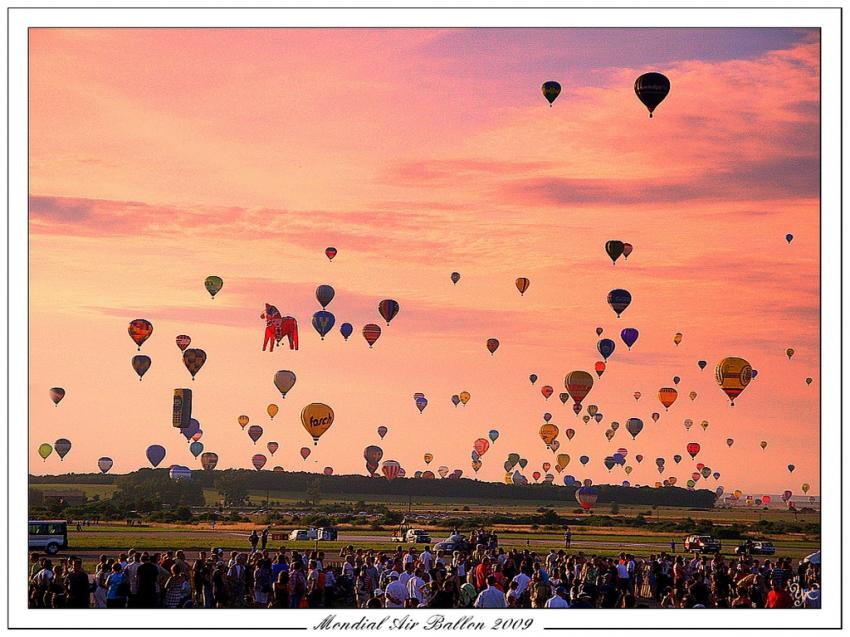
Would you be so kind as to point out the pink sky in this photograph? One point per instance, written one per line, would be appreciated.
(158, 157)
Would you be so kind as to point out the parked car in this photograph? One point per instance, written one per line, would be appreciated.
(702, 544)
(755, 548)
(50, 535)
(299, 535)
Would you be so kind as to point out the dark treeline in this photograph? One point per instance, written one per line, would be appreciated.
(356, 485)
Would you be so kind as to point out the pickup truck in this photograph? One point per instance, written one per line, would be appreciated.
(702, 544)
(412, 536)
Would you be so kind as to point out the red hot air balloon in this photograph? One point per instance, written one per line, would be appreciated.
(259, 461)
(371, 333)
(183, 342)
(305, 452)
(140, 330)
(391, 469)
(578, 384)
(492, 345)
(600, 368)
(330, 253)
(547, 391)
(693, 449)
(586, 497)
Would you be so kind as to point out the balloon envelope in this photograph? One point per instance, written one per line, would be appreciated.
(371, 333)
(141, 364)
(284, 380)
(651, 89)
(317, 418)
(213, 284)
(140, 330)
(324, 295)
(57, 394)
(194, 360)
(323, 321)
(209, 460)
(619, 300)
(629, 336)
(551, 90)
(733, 374)
(388, 308)
(62, 447)
(155, 454)
(346, 330)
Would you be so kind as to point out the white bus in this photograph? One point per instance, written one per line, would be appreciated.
(48, 535)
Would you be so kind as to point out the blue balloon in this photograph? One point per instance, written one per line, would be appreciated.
(345, 329)
(547, 416)
(568, 480)
(475, 455)
(323, 322)
(324, 295)
(619, 300)
(193, 428)
(493, 434)
(789, 237)
(179, 472)
(155, 454)
(196, 448)
(629, 336)
(606, 347)
(619, 458)
(626, 483)
(584, 460)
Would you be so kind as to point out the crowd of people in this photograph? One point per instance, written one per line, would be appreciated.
(483, 577)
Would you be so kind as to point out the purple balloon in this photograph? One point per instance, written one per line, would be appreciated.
(155, 454)
(629, 336)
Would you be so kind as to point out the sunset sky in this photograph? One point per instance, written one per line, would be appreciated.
(159, 157)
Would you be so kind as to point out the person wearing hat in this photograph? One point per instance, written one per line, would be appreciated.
(396, 592)
(559, 599)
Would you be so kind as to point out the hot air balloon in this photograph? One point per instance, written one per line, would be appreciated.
(44, 450)
(765, 500)
(627, 250)
(586, 497)
(373, 454)
(733, 375)
(789, 352)
(599, 368)
(547, 391)
(791, 468)
(382, 431)
(254, 432)
(259, 461)
(388, 308)
(330, 253)
(492, 345)
(179, 472)
(605, 347)
(455, 277)
(305, 452)
(634, 426)
(639, 458)
(209, 460)
(563, 460)
(809, 380)
(629, 336)
(805, 487)
(614, 250)
(323, 321)
(183, 342)
(371, 333)
(551, 90)
(569, 433)
(688, 424)
(243, 421)
(62, 447)
(272, 410)
(155, 454)
(637, 396)
(140, 330)
(677, 338)
(763, 444)
(421, 403)
(677, 458)
(667, 396)
(213, 284)
(651, 89)
(692, 395)
(317, 418)
(619, 300)
(532, 378)
(578, 383)
(56, 395)
(443, 471)
(789, 237)
(194, 359)
(191, 429)
(196, 448)
(272, 447)
(705, 472)
(536, 475)
(456, 400)
(346, 329)
(493, 435)
(428, 457)
(584, 459)
(702, 364)
(693, 449)
(324, 295)
(464, 397)
(522, 284)
(548, 433)
(141, 364)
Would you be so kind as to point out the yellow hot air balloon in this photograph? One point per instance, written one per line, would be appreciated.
(508, 479)
(678, 338)
(317, 418)
(704, 425)
(272, 410)
(243, 421)
(805, 487)
(667, 396)
(45, 450)
(627, 469)
(428, 457)
(548, 433)
(464, 397)
(592, 410)
(563, 460)
(522, 284)
(738, 493)
(733, 375)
